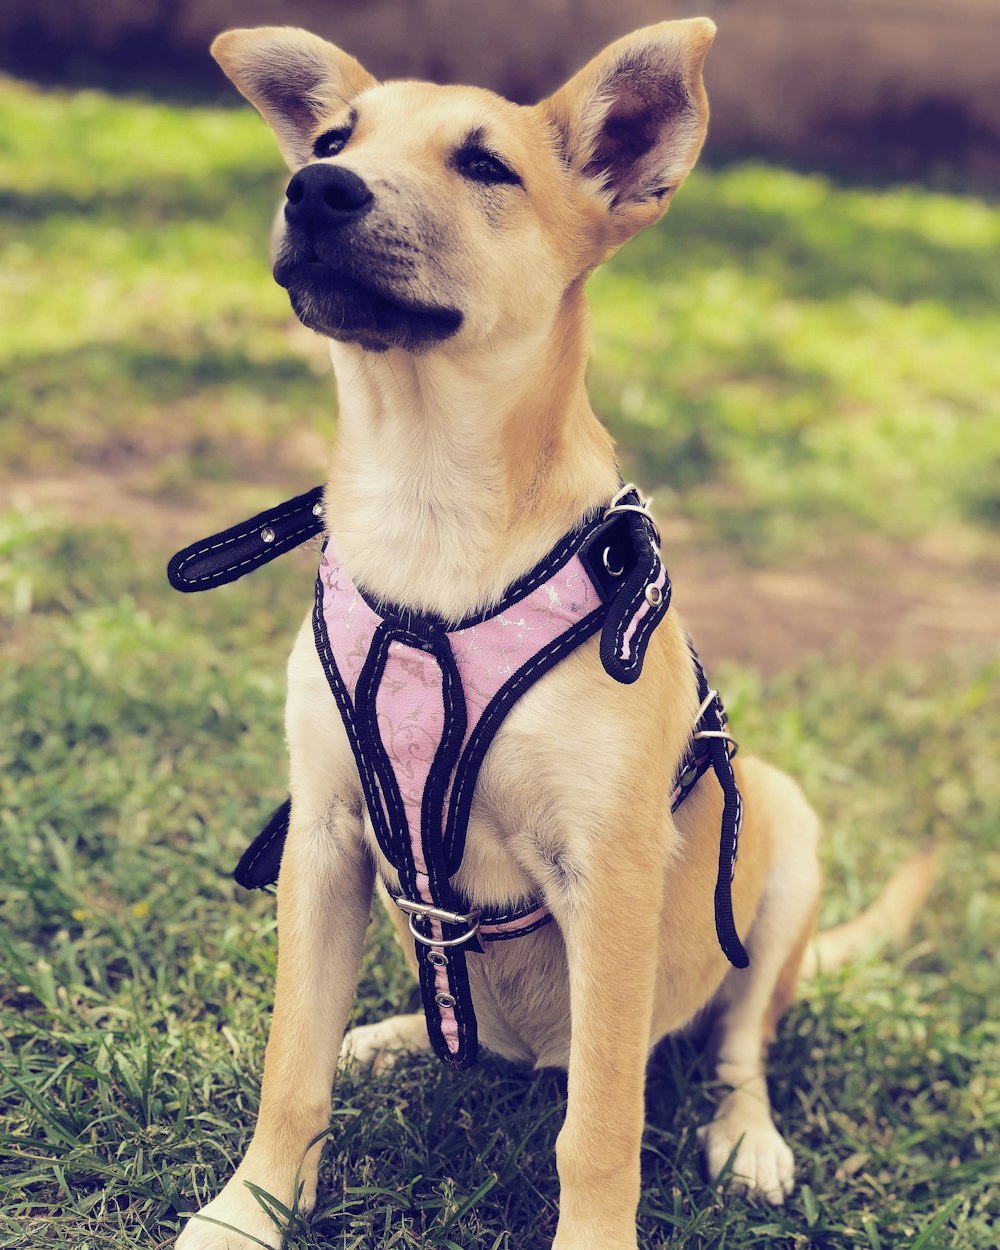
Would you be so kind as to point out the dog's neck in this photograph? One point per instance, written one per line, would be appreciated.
(454, 474)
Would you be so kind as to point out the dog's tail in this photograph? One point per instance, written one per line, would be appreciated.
(887, 920)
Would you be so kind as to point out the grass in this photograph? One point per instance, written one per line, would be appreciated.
(828, 360)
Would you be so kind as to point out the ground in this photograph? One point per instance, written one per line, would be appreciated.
(804, 374)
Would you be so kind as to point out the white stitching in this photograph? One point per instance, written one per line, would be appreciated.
(269, 551)
(268, 519)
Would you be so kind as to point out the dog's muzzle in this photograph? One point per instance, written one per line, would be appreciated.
(342, 281)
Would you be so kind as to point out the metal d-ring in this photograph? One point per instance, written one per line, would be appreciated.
(732, 746)
(430, 912)
(616, 506)
(606, 560)
(426, 941)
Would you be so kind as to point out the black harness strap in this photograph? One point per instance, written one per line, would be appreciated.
(712, 731)
(237, 551)
(261, 861)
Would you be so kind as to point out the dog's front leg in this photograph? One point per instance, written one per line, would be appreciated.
(607, 905)
(324, 900)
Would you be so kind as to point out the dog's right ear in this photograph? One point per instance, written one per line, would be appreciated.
(293, 79)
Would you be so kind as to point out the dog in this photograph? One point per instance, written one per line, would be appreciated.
(440, 238)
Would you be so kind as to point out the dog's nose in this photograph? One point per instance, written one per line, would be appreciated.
(324, 197)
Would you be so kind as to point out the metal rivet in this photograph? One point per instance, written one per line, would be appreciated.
(654, 596)
(317, 509)
(607, 564)
(267, 534)
(444, 1000)
(438, 958)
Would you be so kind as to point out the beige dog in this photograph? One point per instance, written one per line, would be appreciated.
(466, 447)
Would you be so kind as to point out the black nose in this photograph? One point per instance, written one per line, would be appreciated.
(323, 197)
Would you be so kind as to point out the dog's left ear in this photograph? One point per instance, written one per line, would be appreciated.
(631, 123)
(293, 79)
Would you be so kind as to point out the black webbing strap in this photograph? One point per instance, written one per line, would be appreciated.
(623, 558)
(233, 553)
(713, 725)
(260, 862)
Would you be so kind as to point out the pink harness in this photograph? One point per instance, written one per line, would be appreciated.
(422, 700)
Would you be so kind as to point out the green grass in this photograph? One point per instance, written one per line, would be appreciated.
(799, 362)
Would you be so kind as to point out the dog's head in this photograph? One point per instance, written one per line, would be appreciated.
(422, 216)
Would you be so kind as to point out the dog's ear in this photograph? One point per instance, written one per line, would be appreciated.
(292, 78)
(632, 121)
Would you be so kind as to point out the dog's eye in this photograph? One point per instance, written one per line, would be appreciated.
(478, 165)
(331, 142)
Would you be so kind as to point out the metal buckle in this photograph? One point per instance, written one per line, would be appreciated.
(413, 910)
(732, 745)
(616, 507)
(706, 703)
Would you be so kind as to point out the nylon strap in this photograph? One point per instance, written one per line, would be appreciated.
(234, 552)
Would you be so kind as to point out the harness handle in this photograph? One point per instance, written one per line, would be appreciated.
(232, 553)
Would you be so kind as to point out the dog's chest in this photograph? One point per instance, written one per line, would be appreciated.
(548, 786)
(521, 808)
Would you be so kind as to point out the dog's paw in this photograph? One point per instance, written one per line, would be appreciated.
(234, 1220)
(378, 1046)
(762, 1164)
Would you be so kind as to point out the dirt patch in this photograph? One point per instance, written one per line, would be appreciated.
(872, 610)
(873, 604)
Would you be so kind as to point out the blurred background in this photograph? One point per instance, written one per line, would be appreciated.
(801, 363)
(891, 88)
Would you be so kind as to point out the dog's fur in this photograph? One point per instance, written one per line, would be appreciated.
(466, 446)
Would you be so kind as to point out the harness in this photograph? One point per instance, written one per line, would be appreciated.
(422, 699)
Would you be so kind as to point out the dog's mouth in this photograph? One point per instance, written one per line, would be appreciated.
(342, 306)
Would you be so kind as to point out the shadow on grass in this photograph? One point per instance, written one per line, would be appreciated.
(477, 1162)
(150, 375)
(151, 199)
